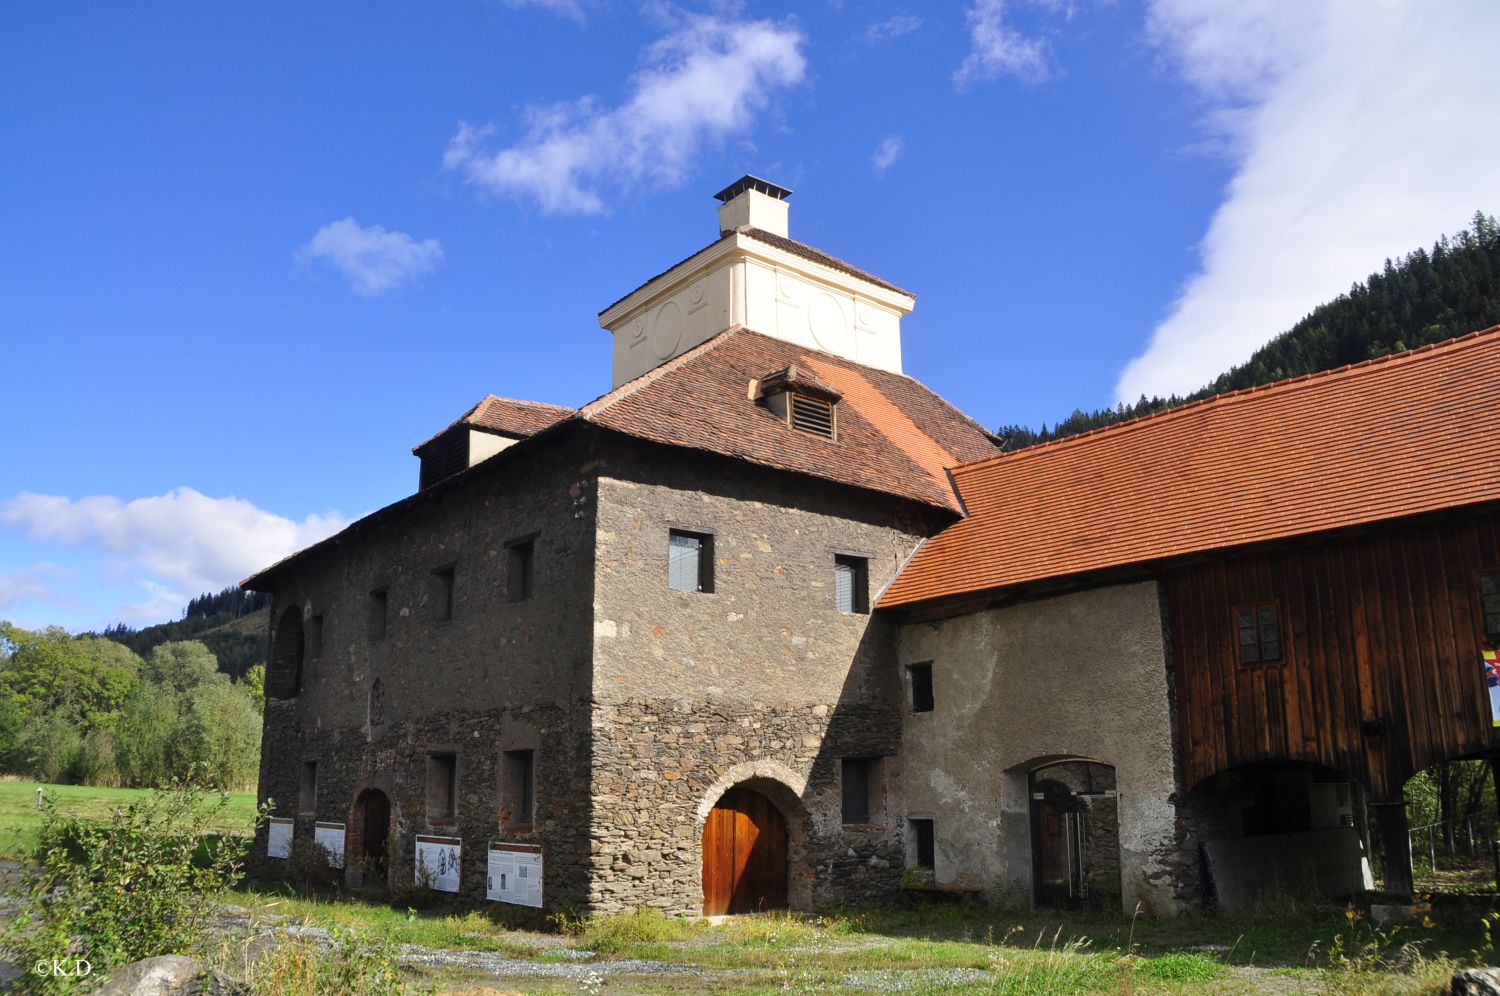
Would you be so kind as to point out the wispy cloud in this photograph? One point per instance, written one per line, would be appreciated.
(997, 49)
(175, 545)
(892, 28)
(886, 153)
(571, 9)
(36, 582)
(371, 258)
(1358, 132)
(698, 85)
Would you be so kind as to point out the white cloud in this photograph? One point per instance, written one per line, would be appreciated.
(891, 28)
(372, 259)
(886, 153)
(1358, 132)
(179, 544)
(25, 584)
(571, 9)
(698, 85)
(996, 49)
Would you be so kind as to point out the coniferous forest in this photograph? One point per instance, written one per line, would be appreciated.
(1425, 297)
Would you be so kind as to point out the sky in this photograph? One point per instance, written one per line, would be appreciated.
(254, 253)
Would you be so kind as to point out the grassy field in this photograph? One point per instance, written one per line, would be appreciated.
(19, 817)
(927, 950)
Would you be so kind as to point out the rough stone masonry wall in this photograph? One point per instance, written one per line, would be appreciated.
(1081, 675)
(761, 682)
(499, 675)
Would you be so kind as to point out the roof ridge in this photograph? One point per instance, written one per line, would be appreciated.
(1285, 384)
(625, 390)
(771, 239)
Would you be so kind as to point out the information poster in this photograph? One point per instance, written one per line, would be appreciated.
(438, 862)
(515, 874)
(279, 838)
(1492, 679)
(331, 836)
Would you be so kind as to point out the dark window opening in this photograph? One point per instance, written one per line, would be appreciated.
(919, 677)
(443, 594)
(442, 786)
(378, 602)
(521, 565)
(307, 789)
(1489, 595)
(690, 561)
(1259, 630)
(924, 844)
(517, 802)
(315, 636)
(812, 415)
(860, 777)
(851, 583)
(443, 457)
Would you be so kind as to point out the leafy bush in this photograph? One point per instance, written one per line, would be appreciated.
(138, 884)
(308, 867)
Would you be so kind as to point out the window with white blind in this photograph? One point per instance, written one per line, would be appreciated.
(851, 583)
(690, 561)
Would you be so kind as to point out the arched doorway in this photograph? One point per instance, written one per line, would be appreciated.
(372, 816)
(284, 675)
(744, 855)
(1075, 834)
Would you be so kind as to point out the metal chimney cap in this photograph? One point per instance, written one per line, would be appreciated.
(751, 182)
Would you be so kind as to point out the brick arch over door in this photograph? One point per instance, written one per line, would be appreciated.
(288, 646)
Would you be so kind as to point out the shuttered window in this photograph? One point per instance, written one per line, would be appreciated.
(1259, 630)
(1489, 594)
(812, 415)
(690, 561)
(851, 583)
(858, 776)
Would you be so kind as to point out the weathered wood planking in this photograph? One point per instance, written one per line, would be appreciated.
(1382, 634)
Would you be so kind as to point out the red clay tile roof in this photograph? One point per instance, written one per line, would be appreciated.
(783, 243)
(894, 435)
(508, 417)
(1405, 434)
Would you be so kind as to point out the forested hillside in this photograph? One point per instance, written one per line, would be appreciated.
(1425, 297)
(233, 624)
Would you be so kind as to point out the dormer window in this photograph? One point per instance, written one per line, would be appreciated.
(803, 401)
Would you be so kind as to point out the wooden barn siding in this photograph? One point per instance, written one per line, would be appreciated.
(1383, 626)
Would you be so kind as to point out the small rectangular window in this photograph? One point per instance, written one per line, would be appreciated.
(442, 786)
(517, 796)
(443, 593)
(307, 789)
(519, 575)
(860, 788)
(919, 678)
(690, 561)
(315, 636)
(812, 415)
(1489, 595)
(1259, 632)
(923, 844)
(851, 584)
(377, 614)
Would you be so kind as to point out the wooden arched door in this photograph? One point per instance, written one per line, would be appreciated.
(744, 855)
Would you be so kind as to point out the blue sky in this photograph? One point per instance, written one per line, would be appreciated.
(253, 254)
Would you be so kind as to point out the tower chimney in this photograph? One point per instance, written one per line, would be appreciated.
(751, 201)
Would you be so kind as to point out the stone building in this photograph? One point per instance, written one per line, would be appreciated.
(772, 624)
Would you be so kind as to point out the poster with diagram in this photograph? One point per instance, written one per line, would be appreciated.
(279, 838)
(1492, 679)
(331, 836)
(515, 874)
(438, 862)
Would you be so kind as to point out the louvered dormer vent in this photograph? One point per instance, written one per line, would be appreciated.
(801, 400)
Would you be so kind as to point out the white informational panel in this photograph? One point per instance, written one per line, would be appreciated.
(279, 838)
(515, 874)
(438, 861)
(331, 836)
